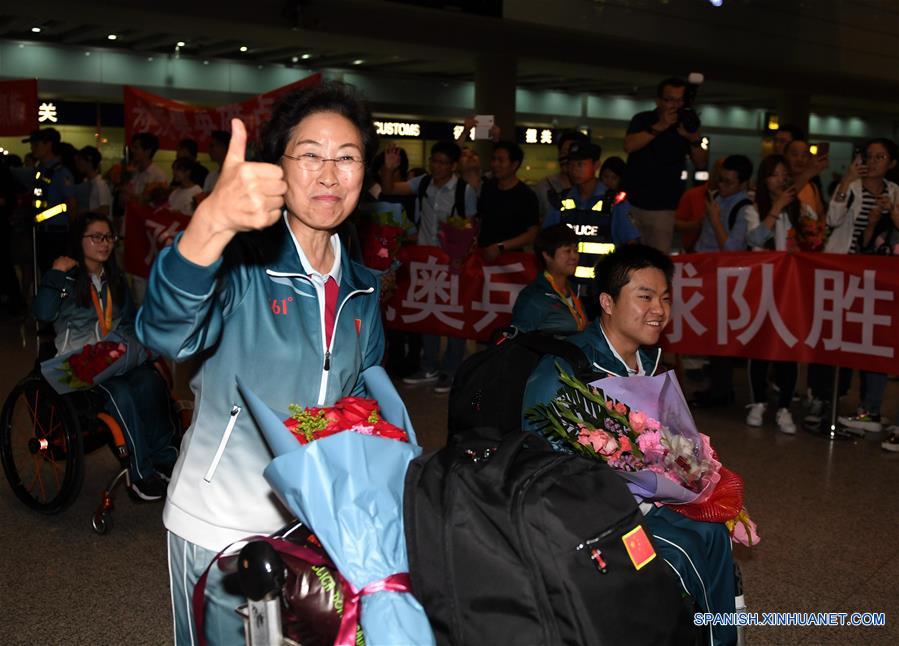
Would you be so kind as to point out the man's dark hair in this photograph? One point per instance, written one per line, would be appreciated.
(614, 164)
(889, 144)
(449, 148)
(551, 239)
(148, 141)
(741, 165)
(221, 136)
(795, 131)
(673, 81)
(378, 162)
(190, 146)
(516, 154)
(614, 271)
(91, 155)
(295, 106)
(571, 135)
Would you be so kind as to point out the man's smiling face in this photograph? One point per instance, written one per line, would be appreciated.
(642, 308)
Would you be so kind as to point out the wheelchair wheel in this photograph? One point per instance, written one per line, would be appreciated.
(41, 446)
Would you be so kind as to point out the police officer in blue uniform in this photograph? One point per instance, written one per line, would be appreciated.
(598, 216)
(53, 198)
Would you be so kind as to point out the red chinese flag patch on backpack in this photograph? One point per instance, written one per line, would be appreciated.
(638, 547)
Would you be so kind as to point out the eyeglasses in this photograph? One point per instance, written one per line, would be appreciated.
(310, 161)
(100, 238)
(877, 157)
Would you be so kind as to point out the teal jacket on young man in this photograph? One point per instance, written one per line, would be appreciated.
(255, 313)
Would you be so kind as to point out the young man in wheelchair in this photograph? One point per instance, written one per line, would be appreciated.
(634, 284)
(85, 297)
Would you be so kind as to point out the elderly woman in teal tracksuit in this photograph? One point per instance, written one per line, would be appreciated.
(259, 286)
(85, 297)
(550, 304)
(634, 284)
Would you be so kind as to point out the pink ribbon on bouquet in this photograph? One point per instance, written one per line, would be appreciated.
(346, 635)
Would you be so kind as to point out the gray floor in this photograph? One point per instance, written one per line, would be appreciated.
(827, 513)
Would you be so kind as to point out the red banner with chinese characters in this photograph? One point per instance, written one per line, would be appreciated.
(470, 302)
(811, 308)
(173, 121)
(806, 307)
(146, 232)
(18, 107)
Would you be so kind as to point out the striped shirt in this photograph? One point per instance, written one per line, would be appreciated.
(861, 221)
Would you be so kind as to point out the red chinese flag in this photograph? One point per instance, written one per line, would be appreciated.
(638, 547)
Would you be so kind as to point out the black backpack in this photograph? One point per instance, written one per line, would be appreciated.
(488, 387)
(514, 543)
(735, 211)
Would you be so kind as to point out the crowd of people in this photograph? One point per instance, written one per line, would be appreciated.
(306, 207)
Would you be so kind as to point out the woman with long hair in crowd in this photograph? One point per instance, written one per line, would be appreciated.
(260, 286)
(86, 298)
(863, 205)
(778, 221)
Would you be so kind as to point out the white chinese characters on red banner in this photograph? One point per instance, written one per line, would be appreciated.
(470, 304)
(172, 121)
(146, 232)
(812, 308)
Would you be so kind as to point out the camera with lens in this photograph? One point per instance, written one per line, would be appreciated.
(687, 115)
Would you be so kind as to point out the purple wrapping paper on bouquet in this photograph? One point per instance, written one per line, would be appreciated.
(661, 398)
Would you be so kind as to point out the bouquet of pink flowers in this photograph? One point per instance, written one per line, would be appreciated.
(667, 463)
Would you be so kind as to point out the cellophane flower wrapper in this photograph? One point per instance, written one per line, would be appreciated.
(54, 371)
(348, 488)
(457, 242)
(661, 398)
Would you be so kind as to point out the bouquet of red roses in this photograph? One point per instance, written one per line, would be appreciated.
(81, 369)
(349, 414)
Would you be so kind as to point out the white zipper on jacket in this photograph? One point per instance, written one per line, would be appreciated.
(326, 347)
(326, 368)
(235, 411)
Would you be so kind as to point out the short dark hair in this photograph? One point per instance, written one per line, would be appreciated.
(378, 162)
(614, 164)
(449, 148)
(741, 165)
(181, 163)
(91, 155)
(889, 144)
(190, 146)
(516, 154)
(795, 131)
(148, 141)
(329, 96)
(221, 136)
(571, 135)
(551, 239)
(614, 271)
(672, 81)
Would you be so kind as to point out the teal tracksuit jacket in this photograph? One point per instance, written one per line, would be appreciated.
(254, 313)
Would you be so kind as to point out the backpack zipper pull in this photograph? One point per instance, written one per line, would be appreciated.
(598, 560)
(327, 360)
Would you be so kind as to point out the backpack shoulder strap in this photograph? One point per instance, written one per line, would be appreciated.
(459, 200)
(546, 344)
(735, 211)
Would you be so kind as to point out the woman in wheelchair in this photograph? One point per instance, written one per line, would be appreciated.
(86, 297)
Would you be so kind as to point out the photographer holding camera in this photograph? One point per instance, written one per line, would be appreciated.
(657, 143)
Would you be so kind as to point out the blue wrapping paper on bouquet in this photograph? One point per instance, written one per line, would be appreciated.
(348, 488)
(135, 354)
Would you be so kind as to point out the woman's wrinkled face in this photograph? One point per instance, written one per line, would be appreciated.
(323, 198)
